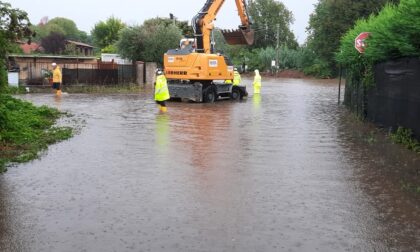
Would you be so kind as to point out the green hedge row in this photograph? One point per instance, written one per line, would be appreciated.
(394, 33)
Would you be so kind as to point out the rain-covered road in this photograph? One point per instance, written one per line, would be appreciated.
(285, 171)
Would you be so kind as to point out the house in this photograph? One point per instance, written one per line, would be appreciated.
(113, 57)
(84, 49)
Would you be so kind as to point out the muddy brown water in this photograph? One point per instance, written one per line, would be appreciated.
(288, 170)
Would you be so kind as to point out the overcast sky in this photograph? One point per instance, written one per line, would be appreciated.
(88, 12)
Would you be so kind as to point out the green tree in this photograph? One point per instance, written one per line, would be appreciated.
(54, 43)
(69, 27)
(331, 20)
(149, 41)
(14, 25)
(64, 26)
(186, 29)
(106, 33)
(269, 16)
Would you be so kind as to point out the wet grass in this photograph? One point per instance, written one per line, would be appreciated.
(25, 130)
(91, 89)
(411, 188)
(14, 90)
(405, 137)
(120, 89)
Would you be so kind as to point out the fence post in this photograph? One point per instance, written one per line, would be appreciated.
(150, 72)
(140, 72)
(339, 85)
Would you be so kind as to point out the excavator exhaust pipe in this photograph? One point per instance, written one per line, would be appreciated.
(239, 37)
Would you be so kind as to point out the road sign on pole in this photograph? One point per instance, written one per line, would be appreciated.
(359, 42)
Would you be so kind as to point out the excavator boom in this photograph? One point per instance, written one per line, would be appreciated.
(244, 35)
(203, 26)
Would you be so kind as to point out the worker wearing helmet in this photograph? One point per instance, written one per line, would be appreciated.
(57, 78)
(161, 90)
(257, 82)
(236, 77)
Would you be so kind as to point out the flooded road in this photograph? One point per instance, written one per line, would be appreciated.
(288, 170)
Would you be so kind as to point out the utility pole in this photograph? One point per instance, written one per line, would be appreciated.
(277, 48)
(266, 32)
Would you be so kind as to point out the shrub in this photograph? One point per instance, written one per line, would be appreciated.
(405, 137)
(395, 32)
(318, 68)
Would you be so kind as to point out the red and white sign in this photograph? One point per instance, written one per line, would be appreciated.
(359, 42)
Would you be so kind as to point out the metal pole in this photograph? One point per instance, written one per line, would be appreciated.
(339, 86)
(277, 48)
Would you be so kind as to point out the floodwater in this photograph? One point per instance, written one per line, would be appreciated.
(288, 170)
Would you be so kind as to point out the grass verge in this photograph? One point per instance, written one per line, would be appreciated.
(405, 137)
(103, 89)
(25, 130)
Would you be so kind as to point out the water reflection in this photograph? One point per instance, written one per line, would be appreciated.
(201, 129)
(162, 133)
(256, 99)
(281, 172)
(57, 101)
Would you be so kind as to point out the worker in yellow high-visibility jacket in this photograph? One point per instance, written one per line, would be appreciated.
(236, 77)
(57, 78)
(161, 90)
(257, 82)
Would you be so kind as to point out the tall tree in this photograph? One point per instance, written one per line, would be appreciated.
(148, 42)
(14, 25)
(186, 29)
(332, 19)
(54, 43)
(106, 33)
(269, 17)
(64, 26)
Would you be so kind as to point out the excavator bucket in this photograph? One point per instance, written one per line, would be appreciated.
(239, 37)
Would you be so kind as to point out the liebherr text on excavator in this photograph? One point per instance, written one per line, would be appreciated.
(194, 71)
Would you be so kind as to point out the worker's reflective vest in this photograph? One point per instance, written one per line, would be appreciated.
(236, 78)
(57, 77)
(161, 89)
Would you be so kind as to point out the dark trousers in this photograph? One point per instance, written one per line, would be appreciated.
(161, 103)
(56, 85)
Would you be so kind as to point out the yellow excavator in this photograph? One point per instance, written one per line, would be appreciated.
(194, 70)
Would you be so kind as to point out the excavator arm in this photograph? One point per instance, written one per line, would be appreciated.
(203, 24)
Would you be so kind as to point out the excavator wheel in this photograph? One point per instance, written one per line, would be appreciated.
(236, 93)
(209, 94)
